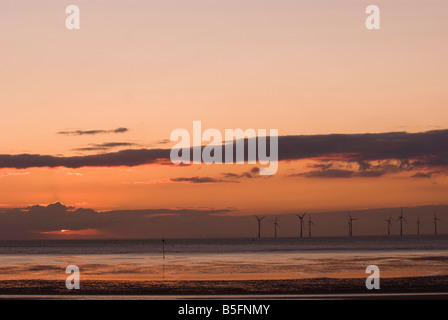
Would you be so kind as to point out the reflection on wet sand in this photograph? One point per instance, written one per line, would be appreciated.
(269, 266)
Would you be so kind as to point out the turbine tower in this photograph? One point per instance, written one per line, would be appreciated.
(301, 223)
(389, 224)
(350, 225)
(259, 225)
(435, 222)
(401, 219)
(276, 225)
(309, 226)
(419, 223)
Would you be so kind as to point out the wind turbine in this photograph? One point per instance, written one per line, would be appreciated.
(418, 226)
(350, 225)
(435, 222)
(259, 225)
(389, 223)
(301, 222)
(401, 219)
(309, 226)
(276, 225)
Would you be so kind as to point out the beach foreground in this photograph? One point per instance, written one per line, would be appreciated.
(433, 284)
(272, 267)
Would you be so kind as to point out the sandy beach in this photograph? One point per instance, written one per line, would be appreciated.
(322, 286)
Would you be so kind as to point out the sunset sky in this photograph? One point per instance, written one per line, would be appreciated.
(74, 105)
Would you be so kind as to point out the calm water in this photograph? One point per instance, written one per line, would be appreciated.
(213, 246)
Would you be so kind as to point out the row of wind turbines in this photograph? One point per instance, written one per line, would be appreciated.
(301, 224)
(310, 223)
(401, 218)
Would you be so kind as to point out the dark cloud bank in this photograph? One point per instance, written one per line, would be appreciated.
(372, 154)
(33, 222)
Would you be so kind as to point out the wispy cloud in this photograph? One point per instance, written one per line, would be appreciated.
(82, 232)
(364, 169)
(164, 141)
(252, 173)
(93, 132)
(422, 175)
(106, 146)
(200, 180)
(152, 181)
(13, 174)
(79, 174)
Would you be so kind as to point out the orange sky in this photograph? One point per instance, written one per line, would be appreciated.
(302, 67)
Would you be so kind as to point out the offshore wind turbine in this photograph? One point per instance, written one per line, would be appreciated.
(276, 225)
(401, 219)
(350, 225)
(259, 225)
(309, 226)
(301, 223)
(435, 222)
(389, 223)
(418, 226)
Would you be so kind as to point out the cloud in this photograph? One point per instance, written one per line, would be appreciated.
(128, 157)
(106, 146)
(199, 180)
(253, 173)
(153, 181)
(409, 150)
(341, 169)
(164, 141)
(328, 173)
(338, 173)
(120, 130)
(422, 175)
(93, 132)
(82, 232)
(13, 174)
(189, 180)
(75, 174)
(58, 219)
(426, 148)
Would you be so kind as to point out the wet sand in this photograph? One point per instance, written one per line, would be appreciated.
(435, 284)
(225, 274)
(224, 267)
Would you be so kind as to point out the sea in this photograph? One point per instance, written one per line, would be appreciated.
(226, 246)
